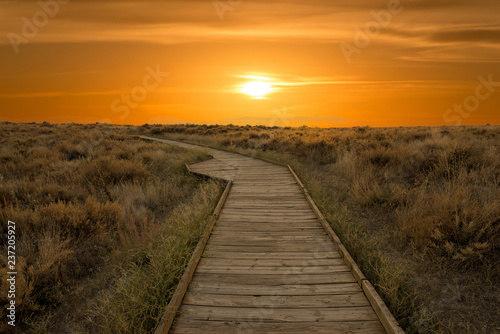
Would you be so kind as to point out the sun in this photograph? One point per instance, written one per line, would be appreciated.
(257, 89)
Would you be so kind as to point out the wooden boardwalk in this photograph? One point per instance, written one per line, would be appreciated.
(269, 265)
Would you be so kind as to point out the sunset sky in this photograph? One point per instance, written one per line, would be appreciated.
(315, 62)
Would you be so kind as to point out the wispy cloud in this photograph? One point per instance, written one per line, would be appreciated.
(55, 94)
(168, 22)
(468, 35)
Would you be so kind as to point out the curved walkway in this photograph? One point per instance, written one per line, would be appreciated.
(269, 265)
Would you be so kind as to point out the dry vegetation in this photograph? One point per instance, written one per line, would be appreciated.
(105, 224)
(419, 208)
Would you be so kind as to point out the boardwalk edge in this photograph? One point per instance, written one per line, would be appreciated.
(386, 318)
(173, 306)
(222, 182)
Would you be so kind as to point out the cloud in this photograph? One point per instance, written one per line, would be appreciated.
(449, 33)
(470, 35)
(179, 22)
(56, 93)
(280, 80)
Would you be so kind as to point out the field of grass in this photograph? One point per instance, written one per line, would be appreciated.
(418, 208)
(105, 224)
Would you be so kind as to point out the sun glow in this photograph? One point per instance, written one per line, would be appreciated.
(257, 89)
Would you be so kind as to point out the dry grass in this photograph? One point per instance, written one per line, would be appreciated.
(139, 297)
(419, 208)
(86, 199)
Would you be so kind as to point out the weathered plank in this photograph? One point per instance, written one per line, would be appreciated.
(277, 279)
(270, 248)
(275, 290)
(319, 254)
(254, 270)
(187, 326)
(316, 314)
(293, 302)
(260, 262)
(259, 237)
(257, 233)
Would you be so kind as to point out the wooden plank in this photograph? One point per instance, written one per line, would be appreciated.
(275, 290)
(221, 178)
(271, 210)
(245, 229)
(262, 223)
(266, 185)
(290, 216)
(235, 269)
(267, 204)
(265, 229)
(271, 193)
(259, 183)
(318, 301)
(320, 254)
(214, 169)
(282, 245)
(267, 249)
(262, 210)
(273, 198)
(267, 219)
(283, 207)
(271, 201)
(255, 232)
(249, 228)
(281, 183)
(263, 262)
(250, 172)
(171, 311)
(187, 326)
(293, 226)
(267, 238)
(277, 279)
(268, 179)
(272, 242)
(266, 225)
(263, 176)
(195, 312)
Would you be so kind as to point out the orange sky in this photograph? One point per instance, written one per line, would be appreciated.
(422, 62)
